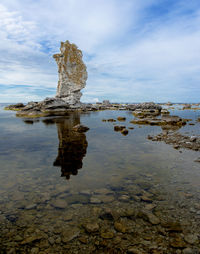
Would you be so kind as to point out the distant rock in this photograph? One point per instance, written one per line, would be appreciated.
(165, 120)
(178, 140)
(145, 105)
(187, 106)
(16, 107)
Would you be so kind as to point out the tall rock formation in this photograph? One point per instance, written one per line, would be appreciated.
(72, 73)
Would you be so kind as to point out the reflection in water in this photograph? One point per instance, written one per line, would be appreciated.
(72, 146)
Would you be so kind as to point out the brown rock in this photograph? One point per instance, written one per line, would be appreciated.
(121, 118)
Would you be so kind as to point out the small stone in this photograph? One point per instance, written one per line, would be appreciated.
(133, 250)
(146, 199)
(177, 242)
(34, 250)
(58, 240)
(31, 239)
(124, 198)
(191, 238)
(51, 240)
(120, 118)
(18, 238)
(150, 206)
(68, 217)
(85, 192)
(107, 199)
(129, 212)
(83, 239)
(107, 235)
(190, 251)
(119, 128)
(103, 191)
(150, 217)
(30, 207)
(111, 120)
(124, 132)
(95, 200)
(91, 227)
(59, 203)
(119, 227)
(172, 226)
(70, 234)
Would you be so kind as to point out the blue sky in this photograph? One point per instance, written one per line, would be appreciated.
(135, 50)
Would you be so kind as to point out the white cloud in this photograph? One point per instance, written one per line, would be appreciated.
(131, 52)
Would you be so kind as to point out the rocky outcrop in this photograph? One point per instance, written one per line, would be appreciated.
(165, 120)
(145, 106)
(178, 140)
(16, 107)
(72, 78)
(72, 73)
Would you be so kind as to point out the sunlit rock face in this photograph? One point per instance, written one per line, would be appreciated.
(72, 146)
(72, 73)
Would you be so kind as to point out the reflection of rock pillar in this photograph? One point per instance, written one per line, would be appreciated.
(72, 146)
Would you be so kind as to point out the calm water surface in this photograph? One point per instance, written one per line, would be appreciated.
(54, 181)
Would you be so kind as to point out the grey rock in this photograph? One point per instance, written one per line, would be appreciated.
(95, 200)
(133, 250)
(150, 217)
(72, 73)
(51, 240)
(190, 251)
(91, 227)
(191, 238)
(70, 234)
(31, 206)
(59, 203)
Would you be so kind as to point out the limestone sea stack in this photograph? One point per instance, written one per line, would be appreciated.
(72, 78)
(72, 73)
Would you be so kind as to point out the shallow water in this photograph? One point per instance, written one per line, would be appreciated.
(54, 180)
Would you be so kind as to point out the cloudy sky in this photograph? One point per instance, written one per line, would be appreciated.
(135, 50)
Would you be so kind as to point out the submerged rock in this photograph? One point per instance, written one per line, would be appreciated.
(80, 128)
(178, 140)
(165, 120)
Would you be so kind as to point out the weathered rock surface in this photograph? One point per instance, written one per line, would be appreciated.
(72, 73)
(165, 120)
(72, 78)
(16, 107)
(145, 106)
(178, 140)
